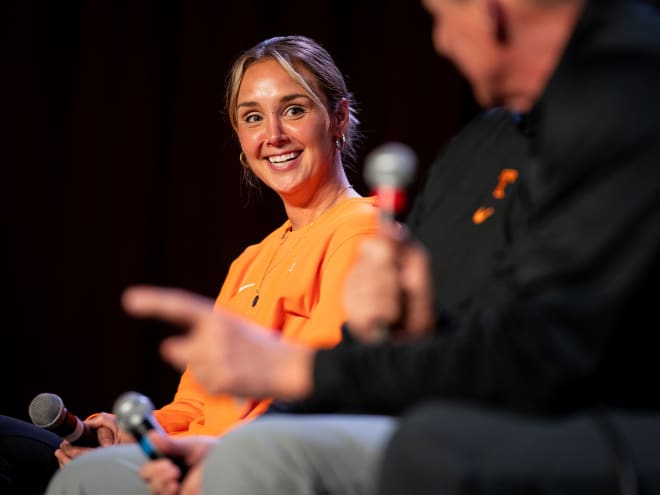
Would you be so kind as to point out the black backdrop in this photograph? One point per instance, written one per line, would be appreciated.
(120, 168)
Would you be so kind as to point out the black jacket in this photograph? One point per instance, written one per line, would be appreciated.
(552, 307)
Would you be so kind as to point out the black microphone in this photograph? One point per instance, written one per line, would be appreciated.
(134, 415)
(388, 170)
(47, 411)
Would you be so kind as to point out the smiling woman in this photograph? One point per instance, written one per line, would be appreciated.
(294, 135)
(296, 123)
(289, 139)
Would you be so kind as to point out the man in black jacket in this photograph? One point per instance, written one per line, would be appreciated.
(543, 372)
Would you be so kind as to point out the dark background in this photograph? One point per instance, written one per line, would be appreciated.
(120, 168)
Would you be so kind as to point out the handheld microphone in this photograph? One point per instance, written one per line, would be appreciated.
(134, 415)
(47, 411)
(388, 170)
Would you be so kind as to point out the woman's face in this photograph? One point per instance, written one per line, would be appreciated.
(282, 131)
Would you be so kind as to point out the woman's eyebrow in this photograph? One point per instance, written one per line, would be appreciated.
(284, 99)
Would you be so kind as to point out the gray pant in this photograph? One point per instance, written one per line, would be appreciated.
(103, 471)
(287, 454)
(299, 455)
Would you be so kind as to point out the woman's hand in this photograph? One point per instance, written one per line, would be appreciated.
(164, 477)
(104, 425)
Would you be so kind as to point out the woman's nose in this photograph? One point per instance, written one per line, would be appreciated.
(276, 134)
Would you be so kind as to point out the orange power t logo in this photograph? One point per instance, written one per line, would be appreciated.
(507, 176)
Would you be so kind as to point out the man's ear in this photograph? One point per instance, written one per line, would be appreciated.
(498, 20)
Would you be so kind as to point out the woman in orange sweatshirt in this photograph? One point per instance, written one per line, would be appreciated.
(295, 121)
(296, 124)
(293, 116)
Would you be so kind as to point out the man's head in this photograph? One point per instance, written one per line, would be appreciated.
(506, 49)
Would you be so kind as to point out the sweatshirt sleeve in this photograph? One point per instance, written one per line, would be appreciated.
(187, 405)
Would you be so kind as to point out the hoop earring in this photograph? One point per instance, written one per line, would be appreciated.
(243, 160)
(340, 142)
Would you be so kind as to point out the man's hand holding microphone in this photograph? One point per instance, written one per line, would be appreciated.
(389, 293)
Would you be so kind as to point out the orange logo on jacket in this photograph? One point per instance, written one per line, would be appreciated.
(482, 213)
(507, 176)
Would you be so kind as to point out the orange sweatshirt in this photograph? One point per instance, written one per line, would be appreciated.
(298, 276)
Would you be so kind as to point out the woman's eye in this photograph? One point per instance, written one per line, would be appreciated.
(252, 118)
(295, 111)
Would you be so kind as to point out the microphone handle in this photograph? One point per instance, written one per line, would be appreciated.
(391, 201)
(82, 436)
(140, 433)
(75, 431)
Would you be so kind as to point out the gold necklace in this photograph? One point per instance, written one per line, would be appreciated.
(307, 227)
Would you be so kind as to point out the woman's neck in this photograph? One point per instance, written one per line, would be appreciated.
(299, 216)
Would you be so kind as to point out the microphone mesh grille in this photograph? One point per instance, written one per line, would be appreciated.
(391, 164)
(45, 409)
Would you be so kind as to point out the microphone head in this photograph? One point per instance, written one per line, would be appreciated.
(392, 164)
(46, 410)
(131, 409)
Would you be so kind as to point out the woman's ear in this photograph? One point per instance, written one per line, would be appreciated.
(341, 115)
(498, 20)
